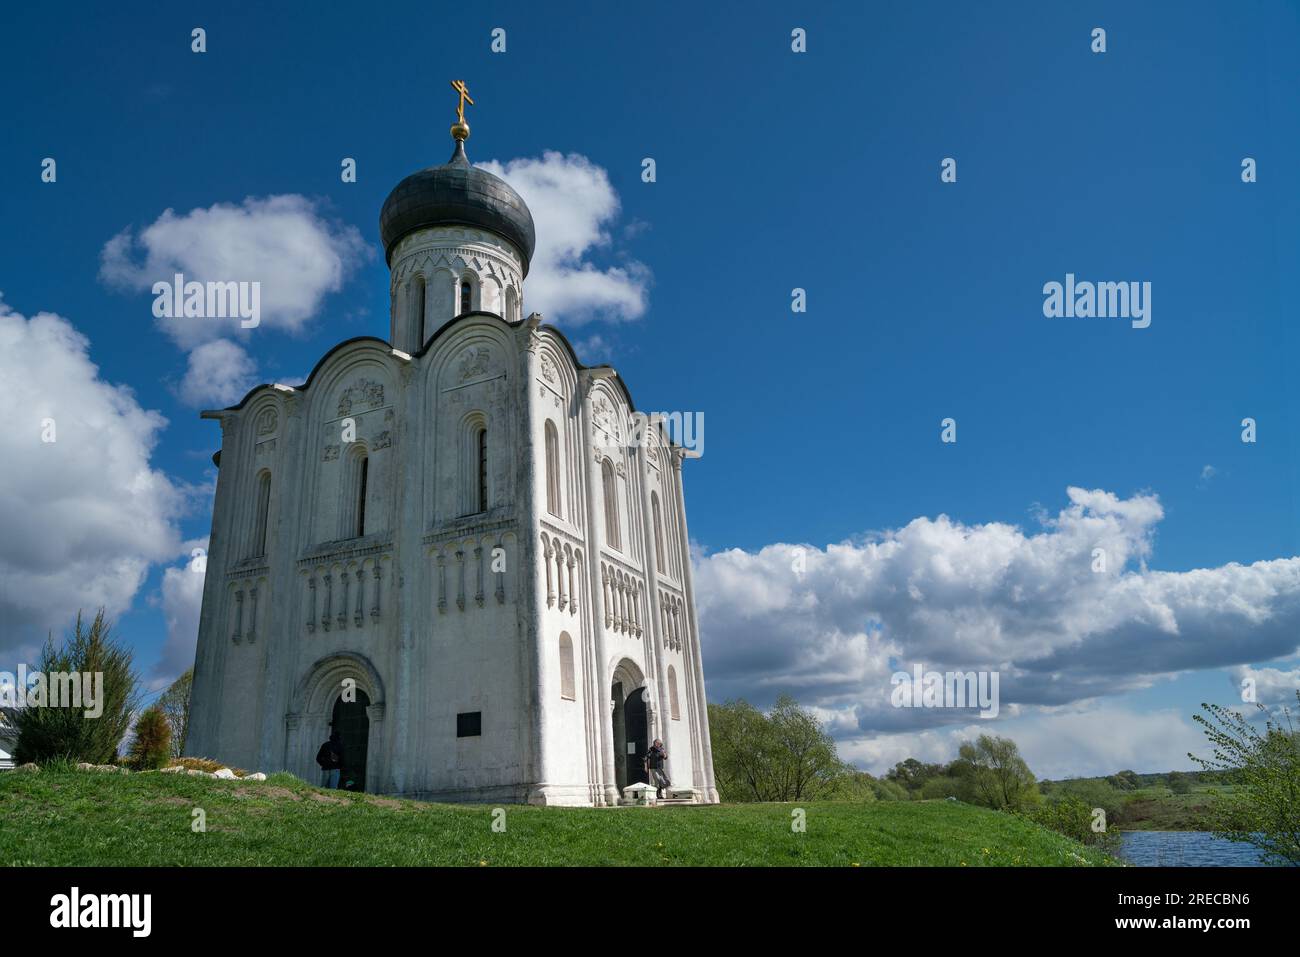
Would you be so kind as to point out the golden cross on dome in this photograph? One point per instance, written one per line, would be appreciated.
(459, 87)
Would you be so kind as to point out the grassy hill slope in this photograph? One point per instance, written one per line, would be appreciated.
(87, 818)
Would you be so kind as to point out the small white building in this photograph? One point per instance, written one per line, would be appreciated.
(450, 545)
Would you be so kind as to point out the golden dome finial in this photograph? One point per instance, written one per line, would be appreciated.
(460, 129)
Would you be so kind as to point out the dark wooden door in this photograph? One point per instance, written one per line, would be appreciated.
(353, 726)
(637, 730)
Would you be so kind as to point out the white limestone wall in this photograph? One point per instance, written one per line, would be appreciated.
(631, 619)
(571, 704)
(441, 258)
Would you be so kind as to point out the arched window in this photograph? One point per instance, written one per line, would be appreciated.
(354, 490)
(673, 708)
(609, 489)
(416, 297)
(481, 491)
(659, 532)
(259, 519)
(552, 469)
(363, 479)
(473, 489)
(567, 683)
(512, 304)
(466, 296)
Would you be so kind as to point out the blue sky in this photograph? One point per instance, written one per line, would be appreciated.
(775, 170)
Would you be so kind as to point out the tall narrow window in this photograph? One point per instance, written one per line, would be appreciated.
(566, 667)
(512, 304)
(416, 299)
(482, 499)
(466, 296)
(552, 469)
(609, 488)
(673, 708)
(659, 532)
(259, 520)
(363, 478)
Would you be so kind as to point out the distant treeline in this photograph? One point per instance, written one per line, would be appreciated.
(1180, 782)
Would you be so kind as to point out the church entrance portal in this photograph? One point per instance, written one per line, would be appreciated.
(631, 736)
(353, 726)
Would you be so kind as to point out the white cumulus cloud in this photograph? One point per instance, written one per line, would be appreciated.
(182, 601)
(573, 205)
(831, 625)
(219, 373)
(282, 243)
(1272, 686)
(86, 514)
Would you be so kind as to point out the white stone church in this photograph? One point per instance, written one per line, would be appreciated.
(450, 546)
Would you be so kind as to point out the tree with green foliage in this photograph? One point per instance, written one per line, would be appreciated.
(913, 774)
(999, 777)
(46, 732)
(1124, 781)
(1179, 782)
(151, 747)
(1095, 793)
(852, 785)
(807, 762)
(175, 704)
(784, 755)
(737, 730)
(1264, 808)
(1074, 818)
(944, 786)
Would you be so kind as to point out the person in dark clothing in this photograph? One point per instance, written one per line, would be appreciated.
(654, 765)
(330, 759)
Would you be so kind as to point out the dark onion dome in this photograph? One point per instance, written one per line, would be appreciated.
(457, 194)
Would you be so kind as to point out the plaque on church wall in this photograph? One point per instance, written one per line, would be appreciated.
(469, 724)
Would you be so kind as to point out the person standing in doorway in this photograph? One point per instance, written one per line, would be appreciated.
(654, 765)
(330, 759)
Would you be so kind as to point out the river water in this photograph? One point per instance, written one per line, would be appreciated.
(1185, 849)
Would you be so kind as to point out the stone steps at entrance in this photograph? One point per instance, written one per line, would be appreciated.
(643, 795)
(666, 802)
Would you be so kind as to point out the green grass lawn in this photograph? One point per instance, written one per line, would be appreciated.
(61, 818)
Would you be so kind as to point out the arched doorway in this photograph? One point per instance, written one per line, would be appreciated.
(316, 710)
(631, 735)
(353, 725)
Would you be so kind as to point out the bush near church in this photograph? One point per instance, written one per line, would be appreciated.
(151, 748)
(46, 734)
